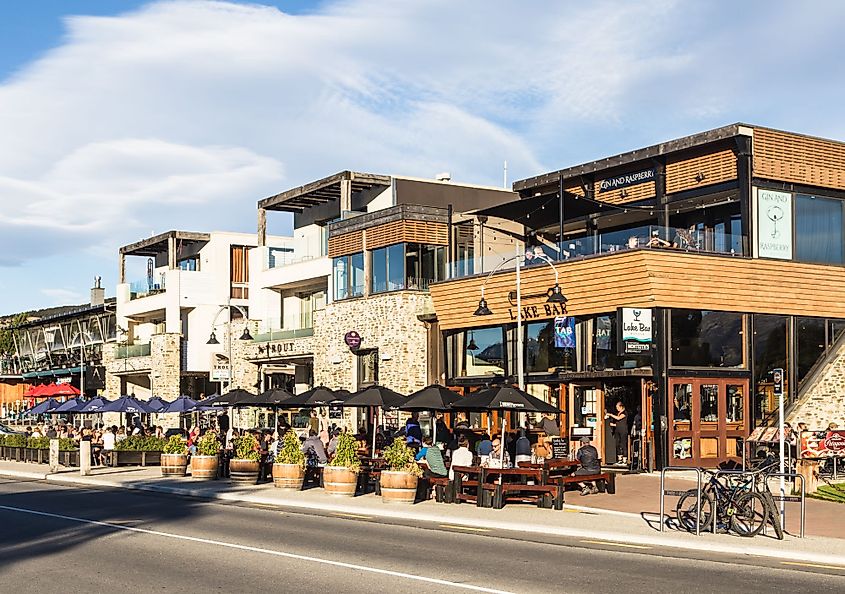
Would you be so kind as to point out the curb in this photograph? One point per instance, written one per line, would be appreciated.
(648, 540)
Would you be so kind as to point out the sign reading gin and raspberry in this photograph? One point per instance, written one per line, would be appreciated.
(774, 224)
(635, 335)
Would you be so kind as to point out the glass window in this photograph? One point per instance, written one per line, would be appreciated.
(734, 404)
(818, 230)
(605, 355)
(484, 351)
(541, 355)
(769, 347)
(396, 267)
(348, 273)
(367, 367)
(810, 337)
(709, 411)
(699, 227)
(191, 264)
(339, 266)
(703, 338)
(682, 402)
(379, 272)
(356, 264)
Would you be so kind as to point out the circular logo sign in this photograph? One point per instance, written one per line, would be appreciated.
(352, 339)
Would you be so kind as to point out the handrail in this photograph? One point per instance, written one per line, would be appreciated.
(664, 492)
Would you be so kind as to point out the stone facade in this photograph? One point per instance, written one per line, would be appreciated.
(387, 322)
(824, 402)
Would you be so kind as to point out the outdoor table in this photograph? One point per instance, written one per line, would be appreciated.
(554, 467)
(467, 483)
(513, 483)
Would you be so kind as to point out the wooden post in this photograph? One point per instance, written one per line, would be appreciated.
(85, 458)
(171, 252)
(262, 227)
(809, 469)
(54, 455)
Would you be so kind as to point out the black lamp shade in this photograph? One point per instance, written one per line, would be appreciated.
(556, 295)
(482, 310)
(212, 339)
(246, 335)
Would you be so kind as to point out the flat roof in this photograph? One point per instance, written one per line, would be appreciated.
(158, 243)
(322, 191)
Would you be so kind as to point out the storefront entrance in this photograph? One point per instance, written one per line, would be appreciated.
(708, 420)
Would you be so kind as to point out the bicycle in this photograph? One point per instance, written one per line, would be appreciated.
(739, 505)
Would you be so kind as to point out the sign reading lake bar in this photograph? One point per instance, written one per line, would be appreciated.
(628, 179)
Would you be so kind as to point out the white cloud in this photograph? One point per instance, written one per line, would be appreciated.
(63, 296)
(183, 114)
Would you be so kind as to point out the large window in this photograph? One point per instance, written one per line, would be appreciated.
(477, 352)
(706, 338)
(348, 274)
(541, 354)
(810, 340)
(818, 230)
(239, 260)
(408, 266)
(604, 347)
(770, 352)
(388, 268)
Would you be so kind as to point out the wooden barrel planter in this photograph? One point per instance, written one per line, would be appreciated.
(204, 467)
(398, 487)
(288, 476)
(339, 480)
(174, 464)
(244, 472)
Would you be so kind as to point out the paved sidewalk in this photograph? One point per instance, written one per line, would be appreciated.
(594, 517)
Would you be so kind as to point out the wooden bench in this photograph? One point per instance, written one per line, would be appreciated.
(543, 492)
(467, 486)
(605, 481)
(443, 488)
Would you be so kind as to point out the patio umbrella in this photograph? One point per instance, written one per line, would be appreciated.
(273, 397)
(30, 391)
(156, 403)
(43, 407)
(232, 398)
(433, 397)
(126, 404)
(375, 396)
(39, 391)
(180, 405)
(504, 398)
(209, 400)
(68, 406)
(317, 396)
(92, 406)
(62, 390)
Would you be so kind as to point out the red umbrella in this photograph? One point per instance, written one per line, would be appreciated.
(63, 390)
(29, 391)
(40, 391)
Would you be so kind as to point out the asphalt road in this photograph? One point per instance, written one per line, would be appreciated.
(75, 540)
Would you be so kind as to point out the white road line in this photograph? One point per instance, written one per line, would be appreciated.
(231, 545)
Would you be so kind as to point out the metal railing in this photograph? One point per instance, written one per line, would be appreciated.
(131, 350)
(144, 288)
(673, 493)
(782, 497)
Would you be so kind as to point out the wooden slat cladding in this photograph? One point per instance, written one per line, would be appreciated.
(408, 231)
(799, 159)
(651, 278)
(625, 195)
(348, 243)
(700, 171)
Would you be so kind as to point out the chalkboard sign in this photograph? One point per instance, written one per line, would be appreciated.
(335, 411)
(560, 447)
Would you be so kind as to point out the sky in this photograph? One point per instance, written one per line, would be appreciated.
(121, 119)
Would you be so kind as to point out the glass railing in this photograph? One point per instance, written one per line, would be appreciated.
(290, 326)
(278, 257)
(411, 283)
(144, 288)
(127, 351)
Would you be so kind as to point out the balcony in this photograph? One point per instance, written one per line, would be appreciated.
(292, 326)
(144, 288)
(129, 351)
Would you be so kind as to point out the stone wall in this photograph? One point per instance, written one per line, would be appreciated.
(386, 322)
(166, 366)
(824, 402)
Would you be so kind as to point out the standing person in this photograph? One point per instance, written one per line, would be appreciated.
(444, 436)
(619, 425)
(588, 457)
(313, 422)
(223, 422)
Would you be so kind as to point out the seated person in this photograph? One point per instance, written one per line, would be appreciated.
(588, 456)
(522, 448)
(484, 447)
(461, 456)
(431, 458)
(498, 457)
(685, 239)
(657, 241)
(313, 449)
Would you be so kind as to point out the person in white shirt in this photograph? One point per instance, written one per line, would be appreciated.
(461, 456)
(109, 439)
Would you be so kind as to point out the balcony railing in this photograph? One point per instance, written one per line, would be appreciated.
(127, 351)
(144, 288)
(411, 283)
(291, 326)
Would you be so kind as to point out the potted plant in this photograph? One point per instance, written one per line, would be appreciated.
(15, 445)
(174, 457)
(289, 465)
(341, 476)
(139, 450)
(399, 481)
(204, 463)
(245, 467)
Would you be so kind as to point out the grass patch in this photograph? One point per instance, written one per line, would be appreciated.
(828, 493)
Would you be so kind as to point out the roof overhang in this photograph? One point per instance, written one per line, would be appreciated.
(322, 191)
(157, 244)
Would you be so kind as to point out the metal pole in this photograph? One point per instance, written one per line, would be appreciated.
(781, 454)
(520, 370)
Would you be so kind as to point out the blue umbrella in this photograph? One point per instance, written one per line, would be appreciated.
(94, 405)
(126, 404)
(157, 404)
(180, 405)
(43, 407)
(69, 406)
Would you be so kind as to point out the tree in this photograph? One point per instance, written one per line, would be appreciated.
(7, 342)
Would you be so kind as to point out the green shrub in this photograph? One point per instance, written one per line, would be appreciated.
(140, 443)
(291, 450)
(400, 458)
(246, 447)
(38, 443)
(16, 441)
(175, 445)
(208, 444)
(68, 445)
(2, 440)
(346, 454)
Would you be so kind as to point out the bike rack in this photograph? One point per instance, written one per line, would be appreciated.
(719, 473)
(672, 493)
(790, 499)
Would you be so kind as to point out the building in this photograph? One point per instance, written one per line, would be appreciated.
(180, 326)
(698, 272)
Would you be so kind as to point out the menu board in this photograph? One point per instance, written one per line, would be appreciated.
(560, 447)
(335, 411)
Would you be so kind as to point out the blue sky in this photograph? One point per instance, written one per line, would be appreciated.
(125, 118)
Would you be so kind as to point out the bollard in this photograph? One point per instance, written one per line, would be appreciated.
(54, 455)
(85, 458)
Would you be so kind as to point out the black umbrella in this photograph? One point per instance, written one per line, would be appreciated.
(232, 398)
(272, 397)
(376, 396)
(317, 396)
(433, 397)
(504, 398)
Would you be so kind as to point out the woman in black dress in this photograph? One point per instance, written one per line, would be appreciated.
(619, 423)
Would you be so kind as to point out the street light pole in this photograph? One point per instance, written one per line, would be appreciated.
(520, 361)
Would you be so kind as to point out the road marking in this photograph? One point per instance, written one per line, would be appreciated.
(616, 544)
(469, 528)
(814, 565)
(356, 516)
(240, 547)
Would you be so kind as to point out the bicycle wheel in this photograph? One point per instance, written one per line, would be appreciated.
(687, 514)
(750, 512)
